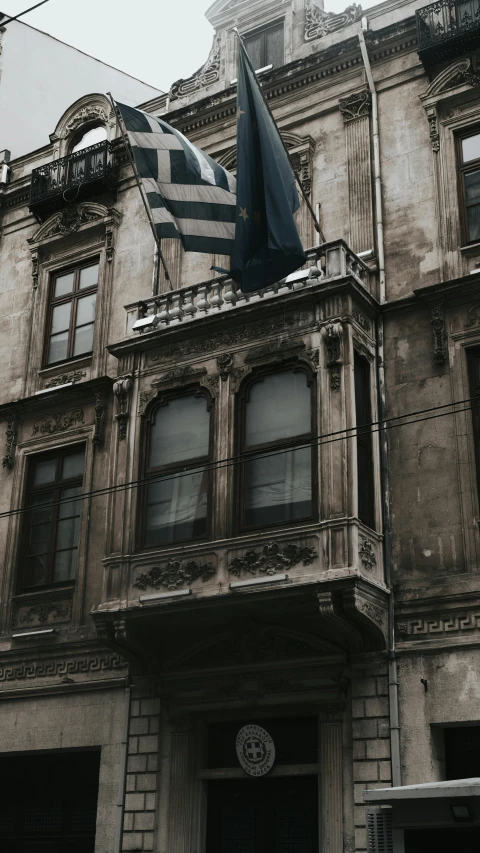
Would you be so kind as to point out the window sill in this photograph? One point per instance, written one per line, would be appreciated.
(60, 367)
(472, 247)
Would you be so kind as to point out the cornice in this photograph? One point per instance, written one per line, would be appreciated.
(39, 403)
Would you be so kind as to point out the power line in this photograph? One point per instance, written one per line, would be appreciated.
(20, 14)
(328, 438)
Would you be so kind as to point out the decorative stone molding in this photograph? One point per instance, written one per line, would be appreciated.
(28, 613)
(457, 74)
(84, 116)
(35, 270)
(212, 383)
(302, 164)
(175, 574)
(68, 221)
(122, 389)
(319, 23)
(58, 422)
(100, 415)
(30, 670)
(231, 337)
(435, 625)
(145, 397)
(11, 440)
(206, 75)
(66, 378)
(277, 351)
(357, 611)
(224, 365)
(333, 335)
(473, 316)
(438, 325)
(367, 554)
(360, 318)
(237, 376)
(433, 133)
(273, 558)
(356, 106)
(180, 376)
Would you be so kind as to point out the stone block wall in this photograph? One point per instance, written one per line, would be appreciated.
(371, 738)
(142, 766)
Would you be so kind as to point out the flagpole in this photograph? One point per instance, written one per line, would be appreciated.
(144, 198)
(302, 190)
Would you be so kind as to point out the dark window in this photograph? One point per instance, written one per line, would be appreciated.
(72, 313)
(462, 752)
(277, 484)
(364, 442)
(178, 455)
(474, 373)
(52, 521)
(469, 165)
(266, 47)
(48, 802)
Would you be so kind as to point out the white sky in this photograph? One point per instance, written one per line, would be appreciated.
(157, 41)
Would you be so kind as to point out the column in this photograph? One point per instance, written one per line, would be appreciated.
(355, 110)
(331, 823)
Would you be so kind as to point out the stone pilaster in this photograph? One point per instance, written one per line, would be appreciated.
(331, 787)
(181, 773)
(142, 766)
(356, 115)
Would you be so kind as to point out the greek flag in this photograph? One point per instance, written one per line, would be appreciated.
(190, 196)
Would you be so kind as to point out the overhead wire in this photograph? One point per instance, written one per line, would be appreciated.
(20, 14)
(345, 434)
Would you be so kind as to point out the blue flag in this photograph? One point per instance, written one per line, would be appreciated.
(267, 245)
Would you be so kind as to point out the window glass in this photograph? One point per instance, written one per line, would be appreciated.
(278, 408)
(84, 324)
(53, 520)
(64, 284)
(274, 46)
(254, 46)
(181, 431)
(278, 487)
(90, 137)
(471, 148)
(88, 276)
(45, 472)
(177, 508)
(472, 194)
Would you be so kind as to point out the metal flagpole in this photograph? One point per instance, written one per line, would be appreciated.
(305, 197)
(142, 193)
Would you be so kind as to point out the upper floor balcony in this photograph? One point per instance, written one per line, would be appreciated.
(447, 28)
(329, 264)
(72, 178)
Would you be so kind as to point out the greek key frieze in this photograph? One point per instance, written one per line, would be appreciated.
(440, 625)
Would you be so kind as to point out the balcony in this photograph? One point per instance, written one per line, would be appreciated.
(447, 28)
(74, 178)
(329, 263)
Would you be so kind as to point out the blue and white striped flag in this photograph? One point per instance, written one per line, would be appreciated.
(190, 196)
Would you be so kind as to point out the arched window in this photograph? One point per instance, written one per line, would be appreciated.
(278, 456)
(89, 137)
(177, 493)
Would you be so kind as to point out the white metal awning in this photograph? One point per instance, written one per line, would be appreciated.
(428, 790)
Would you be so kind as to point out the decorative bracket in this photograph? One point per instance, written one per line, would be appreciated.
(356, 106)
(122, 389)
(333, 340)
(438, 325)
(100, 414)
(357, 611)
(11, 440)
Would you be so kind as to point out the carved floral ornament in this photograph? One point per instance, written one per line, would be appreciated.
(122, 389)
(175, 574)
(206, 75)
(10, 440)
(356, 106)
(319, 23)
(84, 116)
(272, 558)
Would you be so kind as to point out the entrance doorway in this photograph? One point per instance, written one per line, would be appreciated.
(263, 815)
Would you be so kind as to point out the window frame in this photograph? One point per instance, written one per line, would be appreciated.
(473, 353)
(364, 437)
(262, 31)
(73, 297)
(287, 444)
(156, 474)
(30, 491)
(462, 170)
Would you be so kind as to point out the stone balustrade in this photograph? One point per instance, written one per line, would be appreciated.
(325, 263)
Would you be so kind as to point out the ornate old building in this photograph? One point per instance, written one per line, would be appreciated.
(240, 533)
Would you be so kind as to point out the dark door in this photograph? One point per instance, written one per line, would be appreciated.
(457, 840)
(263, 816)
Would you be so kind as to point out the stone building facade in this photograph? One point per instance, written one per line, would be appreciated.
(220, 510)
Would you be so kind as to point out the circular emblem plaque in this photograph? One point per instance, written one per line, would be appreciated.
(255, 750)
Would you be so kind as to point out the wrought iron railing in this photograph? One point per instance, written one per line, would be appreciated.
(445, 19)
(92, 164)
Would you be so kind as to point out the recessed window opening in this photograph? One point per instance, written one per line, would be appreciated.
(92, 136)
(72, 313)
(462, 752)
(52, 523)
(266, 46)
(469, 157)
(177, 494)
(277, 485)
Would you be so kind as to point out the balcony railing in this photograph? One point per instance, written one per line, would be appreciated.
(73, 177)
(447, 27)
(327, 262)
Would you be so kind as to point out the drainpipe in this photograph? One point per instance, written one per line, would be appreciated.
(387, 538)
(117, 846)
